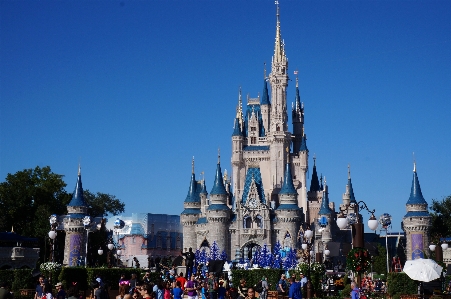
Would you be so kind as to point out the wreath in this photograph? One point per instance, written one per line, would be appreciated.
(358, 260)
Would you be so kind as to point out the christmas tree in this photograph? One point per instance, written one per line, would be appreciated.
(265, 257)
(214, 252)
(203, 257)
(290, 261)
(256, 258)
(277, 259)
(197, 257)
(223, 256)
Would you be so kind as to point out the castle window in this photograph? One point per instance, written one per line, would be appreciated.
(253, 129)
(247, 222)
(253, 140)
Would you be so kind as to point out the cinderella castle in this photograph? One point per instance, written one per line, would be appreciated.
(266, 199)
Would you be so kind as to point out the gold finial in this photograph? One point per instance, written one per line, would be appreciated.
(314, 159)
(288, 153)
(349, 171)
(414, 163)
(202, 175)
(297, 78)
(79, 168)
(264, 70)
(12, 228)
(219, 155)
(278, 51)
(325, 183)
(192, 166)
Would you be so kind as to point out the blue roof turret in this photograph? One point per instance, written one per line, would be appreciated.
(416, 197)
(288, 186)
(265, 96)
(303, 144)
(218, 186)
(298, 97)
(314, 183)
(204, 188)
(237, 128)
(78, 199)
(193, 192)
(325, 209)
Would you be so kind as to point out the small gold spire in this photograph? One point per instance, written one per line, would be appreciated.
(79, 168)
(202, 174)
(297, 78)
(219, 155)
(314, 159)
(192, 166)
(349, 171)
(264, 70)
(12, 228)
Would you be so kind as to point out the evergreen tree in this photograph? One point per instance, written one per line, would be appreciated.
(277, 259)
(290, 261)
(197, 257)
(223, 256)
(203, 258)
(256, 259)
(265, 257)
(214, 252)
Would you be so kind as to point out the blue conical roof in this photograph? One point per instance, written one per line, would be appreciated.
(288, 187)
(218, 186)
(314, 183)
(204, 188)
(325, 209)
(192, 195)
(351, 192)
(298, 97)
(237, 128)
(416, 197)
(78, 199)
(303, 144)
(265, 96)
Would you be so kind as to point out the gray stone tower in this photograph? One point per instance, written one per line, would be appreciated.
(417, 221)
(75, 241)
(325, 216)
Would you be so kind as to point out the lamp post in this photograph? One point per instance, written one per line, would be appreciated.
(307, 243)
(357, 227)
(385, 221)
(87, 225)
(118, 225)
(52, 235)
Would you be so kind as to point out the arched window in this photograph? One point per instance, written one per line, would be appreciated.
(247, 222)
(259, 221)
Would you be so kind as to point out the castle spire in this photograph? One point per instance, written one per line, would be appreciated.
(279, 51)
(239, 110)
(288, 186)
(192, 196)
(78, 199)
(325, 209)
(416, 197)
(298, 97)
(349, 188)
(218, 186)
(314, 183)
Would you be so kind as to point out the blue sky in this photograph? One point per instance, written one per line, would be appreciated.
(134, 89)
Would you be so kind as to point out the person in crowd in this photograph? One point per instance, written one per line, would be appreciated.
(39, 287)
(4, 291)
(124, 290)
(146, 292)
(242, 289)
(146, 278)
(167, 290)
(303, 280)
(122, 279)
(46, 291)
(191, 287)
(159, 290)
(132, 283)
(354, 291)
(251, 293)
(282, 287)
(182, 281)
(262, 287)
(211, 283)
(221, 290)
(295, 289)
(61, 294)
(177, 291)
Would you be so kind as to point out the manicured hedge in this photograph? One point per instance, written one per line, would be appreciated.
(18, 278)
(400, 283)
(253, 276)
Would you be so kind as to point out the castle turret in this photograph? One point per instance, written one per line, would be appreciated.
(191, 213)
(417, 221)
(288, 213)
(314, 195)
(298, 122)
(218, 212)
(265, 105)
(325, 216)
(237, 147)
(75, 240)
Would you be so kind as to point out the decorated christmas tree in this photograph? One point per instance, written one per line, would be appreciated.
(277, 259)
(256, 258)
(196, 257)
(290, 261)
(265, 257)
(203, 257)
(214, 252)
(223, 256)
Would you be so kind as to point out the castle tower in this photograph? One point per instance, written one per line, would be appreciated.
(265, 105)
(298, 121)
(288, 213)
(74, 248)
(315, 196)
(325, 216)
(218, 213)
(191, 213)
(348, 197)
(417, 221)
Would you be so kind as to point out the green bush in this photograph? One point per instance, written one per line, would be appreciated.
(23, 279)
(68, 275)
(346, 292)
(400, 283)
(253, 276)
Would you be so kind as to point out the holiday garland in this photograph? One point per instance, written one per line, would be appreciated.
(358, 260)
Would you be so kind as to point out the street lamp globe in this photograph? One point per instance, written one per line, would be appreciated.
(311, 252)
(119, 252)
(327, 252)
(342, 221)
(308, 234)
(110, 246)
(52, 234)
(432, 247)
(304, 246)
(372, 223)
(100, 251)
(444, 246)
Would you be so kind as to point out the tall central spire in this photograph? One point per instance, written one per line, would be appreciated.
(279, 51)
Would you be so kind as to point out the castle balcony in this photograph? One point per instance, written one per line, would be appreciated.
(262, 139)
(253, 232)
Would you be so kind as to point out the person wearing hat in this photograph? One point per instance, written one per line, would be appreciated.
(61, 294)
(262, 287)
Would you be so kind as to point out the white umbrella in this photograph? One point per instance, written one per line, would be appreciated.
(423, 269)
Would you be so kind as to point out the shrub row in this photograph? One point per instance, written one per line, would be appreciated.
(253, 276)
